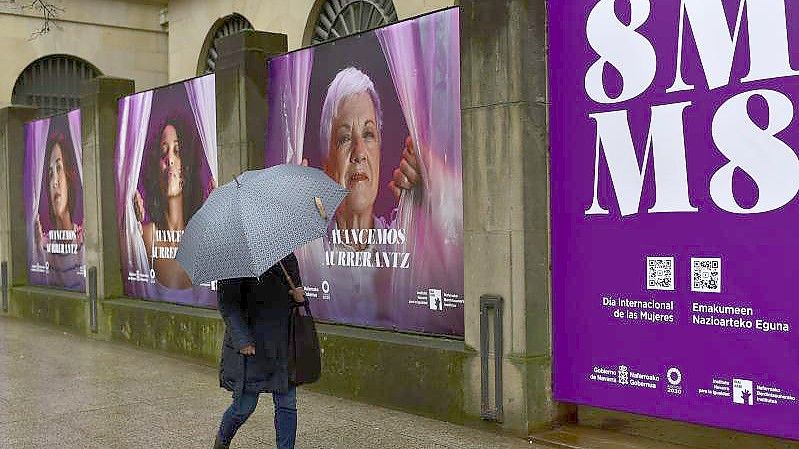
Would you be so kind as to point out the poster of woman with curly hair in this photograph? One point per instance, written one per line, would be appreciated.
(166, 168)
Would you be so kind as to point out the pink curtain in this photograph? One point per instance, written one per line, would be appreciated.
(202, 98)
(134, 119)
(75, 132)
(35, 142)
(424, 59)
(289, 79)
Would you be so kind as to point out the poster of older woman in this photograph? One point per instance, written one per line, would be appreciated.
(54, 202)
(166, 163)
(379, 112)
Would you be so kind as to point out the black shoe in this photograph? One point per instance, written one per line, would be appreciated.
(218, 444)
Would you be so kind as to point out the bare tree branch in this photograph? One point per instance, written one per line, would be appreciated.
(48, 10)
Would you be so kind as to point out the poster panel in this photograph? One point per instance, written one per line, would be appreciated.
(166, 166)
(53, 192)
(379, 112)
(674, 176)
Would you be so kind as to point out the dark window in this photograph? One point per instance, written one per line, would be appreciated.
(225, 26)
(338, 18)
(53, 83)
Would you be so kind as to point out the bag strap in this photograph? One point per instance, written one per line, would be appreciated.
(294, 304)
(288, 277)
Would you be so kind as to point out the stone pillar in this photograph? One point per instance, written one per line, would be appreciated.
(506, 199)
(13, 235)
(99, 106)
(241, 103)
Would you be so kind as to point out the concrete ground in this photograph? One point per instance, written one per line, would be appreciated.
(63, 391)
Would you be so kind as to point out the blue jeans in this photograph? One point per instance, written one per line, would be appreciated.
(243, 406)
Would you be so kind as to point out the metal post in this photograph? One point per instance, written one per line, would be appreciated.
(489, 304)
(91, 281)
(4, 275)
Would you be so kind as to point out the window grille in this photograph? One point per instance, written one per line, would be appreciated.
(53, 83)
(231, 24)
(338, 18)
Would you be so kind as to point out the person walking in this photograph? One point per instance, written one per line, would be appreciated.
(255, 349)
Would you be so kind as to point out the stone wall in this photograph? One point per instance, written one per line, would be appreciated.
(120, 38)
(506, 236)
(191, 20)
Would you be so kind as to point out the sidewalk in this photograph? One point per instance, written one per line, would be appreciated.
(63, 391)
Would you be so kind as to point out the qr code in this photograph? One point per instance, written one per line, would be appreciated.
(706, 274)
(660, 273)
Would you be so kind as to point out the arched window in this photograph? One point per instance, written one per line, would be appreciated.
(225, 26)
(339, 18)
(53, 83)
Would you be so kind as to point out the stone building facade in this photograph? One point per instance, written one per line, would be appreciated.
(140, 44)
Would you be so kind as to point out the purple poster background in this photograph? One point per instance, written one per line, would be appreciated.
(714, 374)
(414, 68)
(166, 161)
(54, 202)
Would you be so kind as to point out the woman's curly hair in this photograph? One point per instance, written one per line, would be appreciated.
(155, 197)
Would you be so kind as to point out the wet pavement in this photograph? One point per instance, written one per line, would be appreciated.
(58, 390)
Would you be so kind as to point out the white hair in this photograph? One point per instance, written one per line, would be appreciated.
(347, 83)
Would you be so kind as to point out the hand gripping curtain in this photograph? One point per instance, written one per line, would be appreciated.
(424, 61)
(134, 118)
(202, 97)
(289, 81)
(75, 134)
(35, 143)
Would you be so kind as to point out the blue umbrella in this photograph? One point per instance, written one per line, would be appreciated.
(249, 224)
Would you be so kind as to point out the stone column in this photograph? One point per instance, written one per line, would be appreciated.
(99, 106)
(241, 103)
(13, 235)
(506, 199)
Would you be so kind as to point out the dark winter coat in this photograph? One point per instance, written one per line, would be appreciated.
(256, 311)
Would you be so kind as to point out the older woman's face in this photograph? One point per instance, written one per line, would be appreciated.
(171, 163)
(354, 159)
(57, 176)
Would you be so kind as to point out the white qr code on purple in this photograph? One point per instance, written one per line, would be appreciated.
(660, 273)
(706, 274)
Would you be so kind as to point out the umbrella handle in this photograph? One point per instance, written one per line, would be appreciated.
(320, 206)
(288, 278)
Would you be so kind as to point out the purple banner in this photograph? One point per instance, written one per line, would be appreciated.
(380, 113)
(674, 180)
(54, 202)
(166, 161)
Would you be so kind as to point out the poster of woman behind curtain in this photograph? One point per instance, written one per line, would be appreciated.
(166, 165)
(380, 113)
(54, 202)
